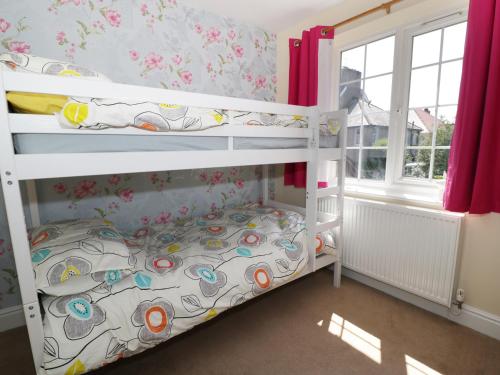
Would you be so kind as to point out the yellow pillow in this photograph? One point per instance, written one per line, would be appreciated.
(40, 104)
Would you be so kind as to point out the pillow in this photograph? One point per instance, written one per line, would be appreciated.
(325, 243)
(40, 104)
(75, 256)
(21, 62)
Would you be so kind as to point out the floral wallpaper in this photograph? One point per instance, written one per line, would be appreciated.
(159, 43)
(9, 291)
(148, 42)
(135, 200)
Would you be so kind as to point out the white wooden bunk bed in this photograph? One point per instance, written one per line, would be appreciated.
(29, 167)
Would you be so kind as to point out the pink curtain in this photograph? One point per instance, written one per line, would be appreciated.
(473, 182)
(303, 85)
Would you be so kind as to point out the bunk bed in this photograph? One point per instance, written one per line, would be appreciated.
(34, 147)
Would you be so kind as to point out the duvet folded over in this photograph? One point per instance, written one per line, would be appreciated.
(184, 274)
(93, 113)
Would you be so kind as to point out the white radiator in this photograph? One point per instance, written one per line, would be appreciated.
(409, 248)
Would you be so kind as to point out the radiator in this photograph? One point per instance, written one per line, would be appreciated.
(409, 248)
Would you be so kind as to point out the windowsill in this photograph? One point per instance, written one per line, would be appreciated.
(428, 197)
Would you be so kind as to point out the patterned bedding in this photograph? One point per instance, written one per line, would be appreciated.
(91, 113)
(184, 274)
(87, 113)
(94, 113)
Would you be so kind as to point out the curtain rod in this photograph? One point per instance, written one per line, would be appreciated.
(385, 6)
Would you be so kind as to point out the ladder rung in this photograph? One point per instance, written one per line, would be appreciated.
(325, 192)
(321, 227)
(329, 153)
(324, 260)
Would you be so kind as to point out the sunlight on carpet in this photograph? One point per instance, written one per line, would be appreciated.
(356, 337)
(414, 367)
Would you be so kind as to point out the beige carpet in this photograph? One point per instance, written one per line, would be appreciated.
(281, 333)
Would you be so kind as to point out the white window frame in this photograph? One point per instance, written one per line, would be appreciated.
(395, 185)
(361, 146)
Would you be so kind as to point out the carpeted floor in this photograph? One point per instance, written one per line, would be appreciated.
(292, 331)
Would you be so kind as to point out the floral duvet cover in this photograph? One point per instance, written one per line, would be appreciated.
(184, 274)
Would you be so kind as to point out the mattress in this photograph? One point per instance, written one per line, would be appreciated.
(104, 113)
(79, 143)
(185, 273)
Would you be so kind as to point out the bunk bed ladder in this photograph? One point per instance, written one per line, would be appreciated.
(329, 217)
(341, 165)
(312, 187)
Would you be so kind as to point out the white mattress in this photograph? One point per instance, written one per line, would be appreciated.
(79, 143)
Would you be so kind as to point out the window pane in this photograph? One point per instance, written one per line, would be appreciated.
(426, 48)
(440, 163)
(380, 57)
(349, 96)
(353, 135)
(454, 41)
(423, 87)
(353, 62)
(373, 164)
(352, 157)
(419, 126)
(416, 163)
(378, 92)
(445, 125)
(449, 88)
(376, 128)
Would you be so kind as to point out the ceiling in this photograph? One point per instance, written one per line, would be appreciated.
(272, 15)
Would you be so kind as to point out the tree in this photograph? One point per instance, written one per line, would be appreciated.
(443, 138)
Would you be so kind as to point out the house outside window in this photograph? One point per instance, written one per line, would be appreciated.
(365, 91)
(436, 70)
(401, 94)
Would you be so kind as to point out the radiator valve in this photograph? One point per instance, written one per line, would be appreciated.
(460, 297)
(456, 306)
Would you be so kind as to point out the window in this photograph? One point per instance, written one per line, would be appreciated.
(436, 67)
(401, 115)
(365, 90)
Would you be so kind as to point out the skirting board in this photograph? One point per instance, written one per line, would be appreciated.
(11, 317)
(476, 319)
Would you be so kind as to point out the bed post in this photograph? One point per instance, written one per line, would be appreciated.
(33, 202)
(18, 232)
(265, 184)
(341, 165)
(312, 185)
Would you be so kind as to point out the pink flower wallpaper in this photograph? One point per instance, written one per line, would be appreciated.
(133, 200)
(149, 42)
(159, 43)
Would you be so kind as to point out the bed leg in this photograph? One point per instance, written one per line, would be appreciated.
(22, 256)
(337, 270)
(34, 324)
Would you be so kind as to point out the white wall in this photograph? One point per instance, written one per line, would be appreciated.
(479, 272)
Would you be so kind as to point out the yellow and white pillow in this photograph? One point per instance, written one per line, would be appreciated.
(21, 62)
(42, 104)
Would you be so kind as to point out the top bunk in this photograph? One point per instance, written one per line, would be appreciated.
(191, 130)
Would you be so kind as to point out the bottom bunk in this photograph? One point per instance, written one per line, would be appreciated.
(107, 295)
